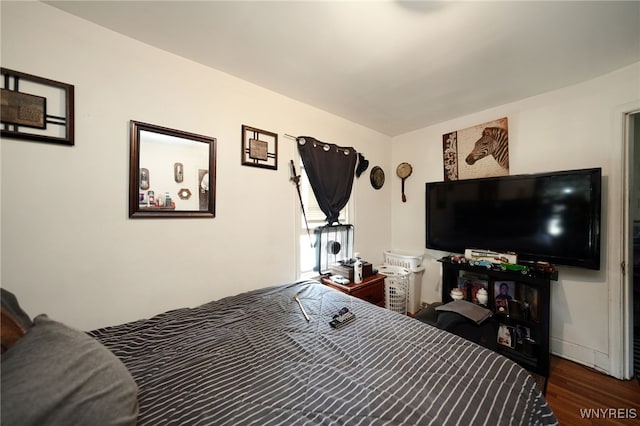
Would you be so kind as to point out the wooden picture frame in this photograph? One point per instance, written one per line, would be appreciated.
(155, 151)
(259, 148)
(36, 108)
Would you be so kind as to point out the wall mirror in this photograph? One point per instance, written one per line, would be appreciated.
(172, 173)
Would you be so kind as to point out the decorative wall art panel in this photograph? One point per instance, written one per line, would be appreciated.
(259, 148)
(478, 151)
(36, 108)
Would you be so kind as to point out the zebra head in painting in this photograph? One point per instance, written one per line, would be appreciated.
(494, 141)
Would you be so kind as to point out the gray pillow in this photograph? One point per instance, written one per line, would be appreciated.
(14, 322)
(56, 375)
(9, 303)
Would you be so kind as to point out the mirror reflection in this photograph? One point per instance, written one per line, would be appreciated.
(172, 172)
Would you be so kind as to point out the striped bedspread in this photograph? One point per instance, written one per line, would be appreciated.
(254, 359)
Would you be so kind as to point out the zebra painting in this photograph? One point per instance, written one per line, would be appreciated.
(494, 141)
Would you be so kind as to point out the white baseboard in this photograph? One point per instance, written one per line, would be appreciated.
(588, 357)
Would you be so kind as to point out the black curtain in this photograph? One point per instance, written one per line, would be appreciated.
(330, 169)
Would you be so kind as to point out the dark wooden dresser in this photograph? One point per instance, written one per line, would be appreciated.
(370, 289)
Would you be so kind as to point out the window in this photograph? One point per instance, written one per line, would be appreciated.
(315, 218)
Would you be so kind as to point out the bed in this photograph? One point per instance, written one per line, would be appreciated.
(254, 359)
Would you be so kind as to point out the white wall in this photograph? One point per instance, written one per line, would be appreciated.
(68, 246)
(576, 127)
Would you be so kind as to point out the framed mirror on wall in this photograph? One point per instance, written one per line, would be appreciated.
(172, 173)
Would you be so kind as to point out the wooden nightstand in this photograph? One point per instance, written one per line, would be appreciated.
(370, 289)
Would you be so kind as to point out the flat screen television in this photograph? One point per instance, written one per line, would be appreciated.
(552, 217)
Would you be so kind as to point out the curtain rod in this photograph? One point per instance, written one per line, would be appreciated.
(325, 146)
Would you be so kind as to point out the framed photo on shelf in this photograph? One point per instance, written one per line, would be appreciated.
(507, 336)
(522, 333)
(463, 284)
(471, 283)
(477, 285)
(504, 291)
(530, 301)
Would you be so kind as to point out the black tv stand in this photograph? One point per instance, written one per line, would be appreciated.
(524, 322)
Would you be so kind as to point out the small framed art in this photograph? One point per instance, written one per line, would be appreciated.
(259, 148)
(36, 108)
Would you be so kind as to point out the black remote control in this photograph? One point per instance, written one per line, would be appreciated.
(343, 318)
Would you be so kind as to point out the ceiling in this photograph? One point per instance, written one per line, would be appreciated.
(392, 66)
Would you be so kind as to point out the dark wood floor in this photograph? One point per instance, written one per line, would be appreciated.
(573, 387)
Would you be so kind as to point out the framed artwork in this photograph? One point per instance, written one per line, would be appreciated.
(259, 148)
(478, 151)
(36, 108)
